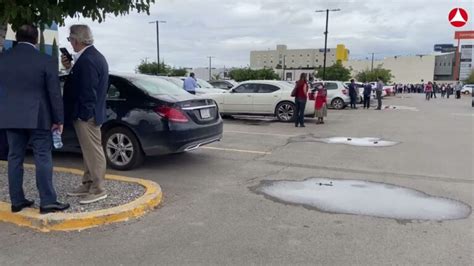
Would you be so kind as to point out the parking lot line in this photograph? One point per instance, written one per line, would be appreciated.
(236, 150)
(257, 133)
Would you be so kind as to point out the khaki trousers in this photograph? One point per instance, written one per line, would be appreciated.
(90, 139)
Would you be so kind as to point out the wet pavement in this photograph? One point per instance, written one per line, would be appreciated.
(210, 217)
(363, 198)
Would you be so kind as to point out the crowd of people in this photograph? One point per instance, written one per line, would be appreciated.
(33, 111)
(306, 87)
(431, 89)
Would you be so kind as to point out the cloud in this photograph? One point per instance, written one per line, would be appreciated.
(229, 30)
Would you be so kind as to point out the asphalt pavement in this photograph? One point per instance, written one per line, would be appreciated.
(210, 216)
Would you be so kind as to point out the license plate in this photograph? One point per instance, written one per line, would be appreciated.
(205, 113)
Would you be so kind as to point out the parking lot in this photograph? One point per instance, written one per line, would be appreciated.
(211, 216)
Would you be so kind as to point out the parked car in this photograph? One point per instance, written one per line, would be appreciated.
(148, 116)
(360, 87)
(226, 84)
(387, 90)
(338, 94)
(203, 86)
(467, 89)
(260, 97)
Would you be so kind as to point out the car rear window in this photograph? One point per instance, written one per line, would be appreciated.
(157, 86)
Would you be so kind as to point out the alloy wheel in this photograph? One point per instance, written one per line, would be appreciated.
(119, 149)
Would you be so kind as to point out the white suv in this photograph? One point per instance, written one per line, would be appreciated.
(338, 94)
(467, 89)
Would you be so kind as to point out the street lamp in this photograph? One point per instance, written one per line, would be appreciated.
(157, 22)
(210, 66)
(326, 37)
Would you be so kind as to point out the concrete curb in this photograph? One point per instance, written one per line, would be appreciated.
(80, 221)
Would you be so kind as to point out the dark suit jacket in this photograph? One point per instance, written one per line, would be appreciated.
(30, 96)
(85, 89)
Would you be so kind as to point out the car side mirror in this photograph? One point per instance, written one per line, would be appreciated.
(229, 86)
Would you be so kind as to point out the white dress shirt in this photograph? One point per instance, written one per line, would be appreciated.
(78, 54)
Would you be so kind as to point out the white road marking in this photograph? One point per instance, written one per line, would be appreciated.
(258, 133)
(236, 150)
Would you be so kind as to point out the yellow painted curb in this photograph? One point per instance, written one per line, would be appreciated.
(80, 221)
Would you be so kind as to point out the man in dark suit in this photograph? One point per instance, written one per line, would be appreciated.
(85, 94)
(30, 108)
(3, 145)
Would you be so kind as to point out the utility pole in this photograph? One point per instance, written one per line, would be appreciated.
(210, 66)
(326, 37)
(157, 22)
(283, 68)
(372, 67)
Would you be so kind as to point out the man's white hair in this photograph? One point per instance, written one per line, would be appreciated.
(82, 33)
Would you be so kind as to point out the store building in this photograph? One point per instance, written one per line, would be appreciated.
(286, 58)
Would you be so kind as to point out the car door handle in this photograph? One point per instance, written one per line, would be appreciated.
(249, 95)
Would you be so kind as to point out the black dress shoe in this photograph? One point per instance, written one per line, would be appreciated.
(55, 207)
(19, 207)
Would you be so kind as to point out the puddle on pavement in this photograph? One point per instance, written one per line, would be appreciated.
(363, 198)
(366, 142)
(400, 107)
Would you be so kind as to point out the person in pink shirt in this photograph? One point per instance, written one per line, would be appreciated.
(428, 90)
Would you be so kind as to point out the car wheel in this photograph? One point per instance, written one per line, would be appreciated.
(338, 104)
(466, 92)
(285, 111)
(122, 149)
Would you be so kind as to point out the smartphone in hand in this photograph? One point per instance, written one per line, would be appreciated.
(66, 53)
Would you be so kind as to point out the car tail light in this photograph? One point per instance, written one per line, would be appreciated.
(344, 91)
(172, 114)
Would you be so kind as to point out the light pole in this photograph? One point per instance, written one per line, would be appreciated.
(157, 22)
(372, 66)
(283, 68)
(326, 37)
(210, 66)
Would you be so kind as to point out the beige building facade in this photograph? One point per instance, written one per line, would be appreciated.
(405, 69)
(296, 58)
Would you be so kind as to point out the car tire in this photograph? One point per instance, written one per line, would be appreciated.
(122, 149)
(285, 111)
(338, 104)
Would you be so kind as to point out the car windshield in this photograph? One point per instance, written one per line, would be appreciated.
(157, 86)
(204, 84)
(175, 81)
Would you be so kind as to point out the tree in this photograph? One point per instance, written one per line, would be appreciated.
(178, 72)
(41, 12)
(243, 74)
(373, 75)
(153, 68)
(42, 47)
(54, 51)
(160, 70)
(335, 72)
(470, 79)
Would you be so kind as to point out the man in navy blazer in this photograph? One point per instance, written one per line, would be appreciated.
(30, 108)
(85, 94)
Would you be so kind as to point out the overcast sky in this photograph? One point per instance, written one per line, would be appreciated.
(229, 30)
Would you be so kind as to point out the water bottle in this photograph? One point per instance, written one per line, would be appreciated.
(57, 142)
